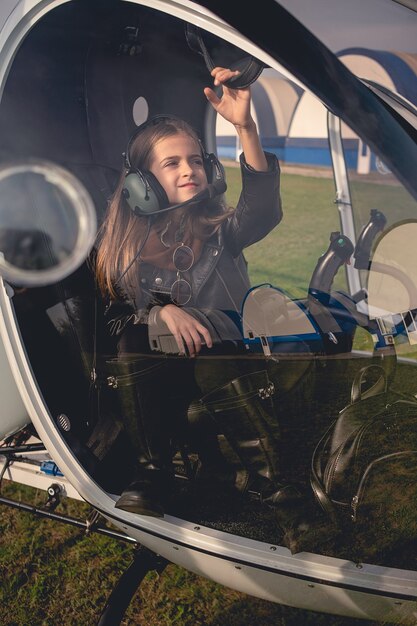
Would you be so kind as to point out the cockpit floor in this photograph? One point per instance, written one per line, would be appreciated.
(239, 516)
(307, 529)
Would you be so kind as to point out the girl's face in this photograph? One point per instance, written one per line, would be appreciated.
(178, 165)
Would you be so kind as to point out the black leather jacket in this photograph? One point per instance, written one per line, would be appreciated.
(219, 280)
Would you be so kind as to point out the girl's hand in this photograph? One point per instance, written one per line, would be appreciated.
(187, 331)
(234, 105)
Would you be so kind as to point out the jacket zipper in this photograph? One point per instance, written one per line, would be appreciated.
(124, 380)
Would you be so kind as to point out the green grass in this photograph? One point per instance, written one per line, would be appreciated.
(288, 255)
(52, 574)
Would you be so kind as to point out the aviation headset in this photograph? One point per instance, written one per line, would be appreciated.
(145, 195)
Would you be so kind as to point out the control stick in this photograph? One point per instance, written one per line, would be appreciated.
(338, 253)
(362, 254)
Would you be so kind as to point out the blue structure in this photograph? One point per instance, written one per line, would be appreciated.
(399, 72)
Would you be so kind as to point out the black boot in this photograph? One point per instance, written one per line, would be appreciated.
(243, 412)
(203, 437)
(140, 385)
(145, 495)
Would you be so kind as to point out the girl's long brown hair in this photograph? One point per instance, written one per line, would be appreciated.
(122, 232)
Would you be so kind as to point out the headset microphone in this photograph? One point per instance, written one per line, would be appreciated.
(216, 188)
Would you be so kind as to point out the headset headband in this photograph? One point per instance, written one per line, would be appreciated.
(154, 121)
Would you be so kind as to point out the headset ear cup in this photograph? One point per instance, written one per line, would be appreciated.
(215, 173)
(158, 190)
(143, 193)
(208, 167)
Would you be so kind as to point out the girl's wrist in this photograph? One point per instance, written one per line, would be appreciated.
(249, 128)
(154, 314)
(165, 308)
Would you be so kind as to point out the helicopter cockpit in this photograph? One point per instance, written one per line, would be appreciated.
(327, 323)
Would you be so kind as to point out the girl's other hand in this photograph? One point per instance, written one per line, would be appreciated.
(189, 334)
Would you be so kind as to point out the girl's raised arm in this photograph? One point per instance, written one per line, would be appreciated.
(234, 107)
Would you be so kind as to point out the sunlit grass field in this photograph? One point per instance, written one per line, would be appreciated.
(51, 574)
(288, 255)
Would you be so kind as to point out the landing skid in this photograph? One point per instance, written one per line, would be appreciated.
(144, 561)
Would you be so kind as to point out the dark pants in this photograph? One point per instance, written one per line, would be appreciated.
(159, 389)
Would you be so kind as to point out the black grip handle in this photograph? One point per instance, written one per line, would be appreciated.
(362, 254)
(249, 67)
(339, 252)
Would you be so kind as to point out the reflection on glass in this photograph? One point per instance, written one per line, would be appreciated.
(269, 316)
(392, 283)
(376, 188)
(47, 222)
(38, 226)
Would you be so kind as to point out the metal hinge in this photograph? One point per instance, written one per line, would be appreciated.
(266, 392)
